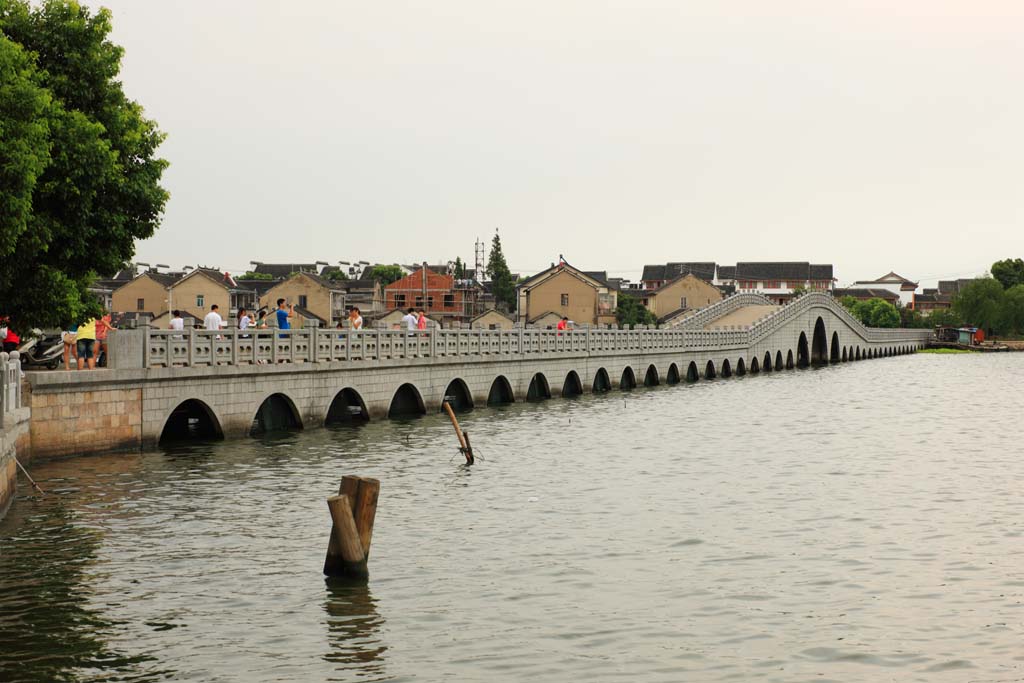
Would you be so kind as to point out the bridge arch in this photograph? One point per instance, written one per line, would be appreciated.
(692, 375)
(803, 357)
(672, 377)
(191, 419)
(789, 355)
(539, 389)
(500, 392)
(572, 386)
(741, 367)
(754, 366)
(856, 353)
(347, 407)
(628, 380)
(602, 383)
(709, 370)
(651, 378)
(834, 351)
(843, 359)
(726, 368)
(767, 364)
(458, 396)
(819, 344)
(407, 402)
(277, 412)
(778, 360)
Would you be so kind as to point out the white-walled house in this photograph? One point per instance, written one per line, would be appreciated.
(897, 284)
(777, 279)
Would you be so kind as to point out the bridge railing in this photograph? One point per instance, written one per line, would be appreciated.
(723, 308)
(198, 347)
(10, 384)
(773, 321)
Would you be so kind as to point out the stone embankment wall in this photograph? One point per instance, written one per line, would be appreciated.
(14, 427)
(80, 417)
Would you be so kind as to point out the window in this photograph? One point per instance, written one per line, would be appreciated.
(430, 302)
(565, 299)
(682, 302)
(748, 284)
(399, 300)
(449, 300)
(140, 305)
(419, 302)
(772, 284)
(200, 301)
(303, 302)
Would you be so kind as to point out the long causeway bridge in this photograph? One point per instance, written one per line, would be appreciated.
(167, 385)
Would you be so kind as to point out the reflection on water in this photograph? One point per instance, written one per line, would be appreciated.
(849, 523)
(354, 639)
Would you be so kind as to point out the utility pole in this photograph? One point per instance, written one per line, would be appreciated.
(480, 260)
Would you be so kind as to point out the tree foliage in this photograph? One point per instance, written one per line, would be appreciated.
(944, 317)
(502, 285)
(386, 274)
(253, 275)
(872, 312)
(629, 311)
(460, 269)
(1009, 272)
(980, 303)
(79, 176)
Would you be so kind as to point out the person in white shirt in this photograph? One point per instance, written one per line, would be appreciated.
(244, 321)
(213, 321)
(177, 323)
(355, 319)
(411, 320)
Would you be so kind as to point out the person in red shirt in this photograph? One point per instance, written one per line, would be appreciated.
(12, 340)
(563, 324)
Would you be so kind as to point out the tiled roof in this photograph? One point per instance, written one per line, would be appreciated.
(283, 270)
(782, 270)
(705, 270)
(162, 278)
(261, 287)
(866, 293)
(726, 272)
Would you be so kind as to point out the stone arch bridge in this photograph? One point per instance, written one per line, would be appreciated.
(168, 385)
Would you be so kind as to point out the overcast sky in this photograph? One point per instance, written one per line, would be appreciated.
(875, 135)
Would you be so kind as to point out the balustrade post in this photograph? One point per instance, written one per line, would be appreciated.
(191, 352)
(433, 342)
(234, 346)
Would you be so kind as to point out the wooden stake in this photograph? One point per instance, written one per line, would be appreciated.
(464, 445)
(365, 511)
(333, 563)
(30, 479)
(353, 560)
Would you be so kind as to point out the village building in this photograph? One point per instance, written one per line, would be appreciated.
(492, 320)
(897, 284)
(148, 292)
(203, 287)
(562, 290)
(681, 293)
(313, 297)
(941, 297)
(777, 280)
(654, 276)
(436, 292)
(367, 295)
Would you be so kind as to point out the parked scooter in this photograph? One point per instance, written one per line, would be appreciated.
(41, 351)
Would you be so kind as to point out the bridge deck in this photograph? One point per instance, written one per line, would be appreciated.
(742, 317)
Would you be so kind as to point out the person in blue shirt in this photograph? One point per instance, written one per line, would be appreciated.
(283, 315)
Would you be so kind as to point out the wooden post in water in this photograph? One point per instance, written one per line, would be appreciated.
(463, 441)
(352, 514)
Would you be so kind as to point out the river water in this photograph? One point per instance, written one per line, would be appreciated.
(859, 522)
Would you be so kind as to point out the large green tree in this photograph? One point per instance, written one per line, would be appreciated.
(386, 274)
(872, 312)
(980, 303)
(1009, 272)
(80, 176)
(629, 311)
(502, 285)
(1012, 310)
